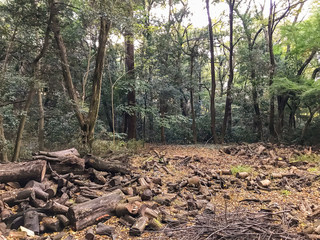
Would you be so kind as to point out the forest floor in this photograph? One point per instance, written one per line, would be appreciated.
(248, 191)
(281, 181)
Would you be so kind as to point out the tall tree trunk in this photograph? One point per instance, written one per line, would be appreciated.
(3, 144)
(31, 69)
(227, 111)
(105, 25)
(86, 124)
(23, 119)
(162, 116)
(129, 62)
(193, 114)
(271, 70)
(66, 69)
(41, 122)
(213, 78)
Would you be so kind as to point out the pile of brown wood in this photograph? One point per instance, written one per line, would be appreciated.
(60, 189)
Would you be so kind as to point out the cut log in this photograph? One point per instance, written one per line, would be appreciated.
(103, 229)
(16, 195)
(64, 220)
(154, 224)
(90, 234)
(59, 154)
(139, 226)
(52, 190)
(31, 221)
(51, 224)
(146, 195)
(104, 165)
(86, 214)
(23, 172)
(57, 207)
(123, 209)
(70, 164)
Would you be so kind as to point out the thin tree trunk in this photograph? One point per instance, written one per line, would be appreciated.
(213, 78)
(193, 114)
(85, 77)
(271, 71)
(162, 115)
(227, 111)
(3, 144)
(41, 122)
(23, 119)
(105, 25)
(66, 69)
(32, 67)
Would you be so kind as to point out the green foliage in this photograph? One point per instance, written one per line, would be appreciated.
(102, 147)
(240, 168)
(313, 170)
(309, 158)
(285, 192)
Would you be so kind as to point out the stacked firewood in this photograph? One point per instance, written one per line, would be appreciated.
(58, 190)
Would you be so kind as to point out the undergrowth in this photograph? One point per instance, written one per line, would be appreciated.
(309, 158)
(240, 168)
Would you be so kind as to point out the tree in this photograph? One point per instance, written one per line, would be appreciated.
(251, 38)
(131, 117)
(227, 112)
(87, 123)
(213, 77)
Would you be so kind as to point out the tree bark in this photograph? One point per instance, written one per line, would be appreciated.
(23, 172)
(87, 213)
(3, 144)
(227, 111)
(129, 62)
(315, 72)
(23, 120)
(213, 78)
(193, 114)
(97, 79)
(41, 122)
(271, 70)
(105, 165)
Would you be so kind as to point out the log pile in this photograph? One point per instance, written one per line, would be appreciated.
(60, 190)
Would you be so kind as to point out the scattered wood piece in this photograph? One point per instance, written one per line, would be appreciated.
(194, 181)
(242, 175)
(31, 221)
(265, 183)
(103, 229)
(154, 224)
(139, 226)
(146, 195)
(90, 234)
(51, 224)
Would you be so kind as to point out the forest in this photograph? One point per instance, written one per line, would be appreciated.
(76, 71)
(157, 115)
